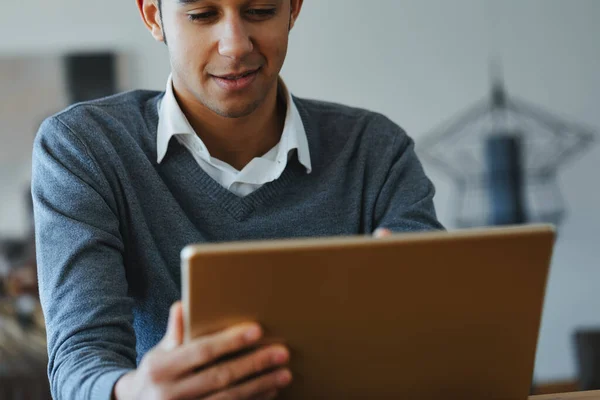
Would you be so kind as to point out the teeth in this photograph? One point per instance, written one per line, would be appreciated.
(233, 78)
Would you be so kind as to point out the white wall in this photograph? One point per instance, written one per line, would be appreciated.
(419, 62)
(34, 84)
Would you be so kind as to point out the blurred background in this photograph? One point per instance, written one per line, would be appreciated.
(468, 72)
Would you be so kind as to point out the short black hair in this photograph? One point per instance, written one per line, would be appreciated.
(162, 25)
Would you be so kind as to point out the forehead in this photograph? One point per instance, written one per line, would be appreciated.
(199, 2)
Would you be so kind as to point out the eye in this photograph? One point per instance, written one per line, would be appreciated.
(261, 13)
(205, 16)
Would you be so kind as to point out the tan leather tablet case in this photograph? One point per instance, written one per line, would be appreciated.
(420, 316)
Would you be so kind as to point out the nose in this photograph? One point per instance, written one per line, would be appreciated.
(235, 41)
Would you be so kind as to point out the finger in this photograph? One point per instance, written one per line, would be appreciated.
(264, 384)
(382, 232)
(174, 335)
(227, 374)
(206, 350)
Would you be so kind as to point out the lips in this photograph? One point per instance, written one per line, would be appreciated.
(233, 77)
(236, 81)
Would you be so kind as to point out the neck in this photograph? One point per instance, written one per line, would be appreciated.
(237, 141)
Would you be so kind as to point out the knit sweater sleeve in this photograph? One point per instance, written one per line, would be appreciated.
(82, 281)
(405, 199)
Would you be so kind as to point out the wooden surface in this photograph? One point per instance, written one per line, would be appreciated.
(569, 396)
(555, 387)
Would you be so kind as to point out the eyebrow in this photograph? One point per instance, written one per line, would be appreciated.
(187, 2)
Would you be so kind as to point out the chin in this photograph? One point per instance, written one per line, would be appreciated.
(239, 110)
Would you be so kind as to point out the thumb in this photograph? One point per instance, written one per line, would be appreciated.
(174, 335)
(382, 232)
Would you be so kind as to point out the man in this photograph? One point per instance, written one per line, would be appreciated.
(122, 184)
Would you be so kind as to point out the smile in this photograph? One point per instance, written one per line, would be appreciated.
(234, 82)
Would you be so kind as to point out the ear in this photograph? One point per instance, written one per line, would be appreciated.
(295, 11)
(151, 16)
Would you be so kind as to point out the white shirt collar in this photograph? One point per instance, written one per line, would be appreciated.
(172, 121)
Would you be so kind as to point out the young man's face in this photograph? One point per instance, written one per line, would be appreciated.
(227, 54)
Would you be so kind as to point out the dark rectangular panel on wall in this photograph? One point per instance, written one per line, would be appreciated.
(90, 75)
(505, 180)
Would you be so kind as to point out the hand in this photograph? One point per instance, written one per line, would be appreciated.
(173, 370)
(382, 232)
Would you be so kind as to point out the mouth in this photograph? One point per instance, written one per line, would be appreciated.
(236, 81)
(236, 76)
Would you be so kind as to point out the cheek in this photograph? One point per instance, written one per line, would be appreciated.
(275, 50)
(187, 46)
(190, 55)
(280, 54)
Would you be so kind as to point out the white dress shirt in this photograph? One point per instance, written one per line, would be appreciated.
(173, 122)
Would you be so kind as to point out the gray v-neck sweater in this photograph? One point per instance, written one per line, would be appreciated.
(110, 222)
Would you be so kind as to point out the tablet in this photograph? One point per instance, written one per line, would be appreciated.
(410, 316)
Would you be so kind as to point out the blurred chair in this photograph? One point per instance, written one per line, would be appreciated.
(23, 355)
(587, 346)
